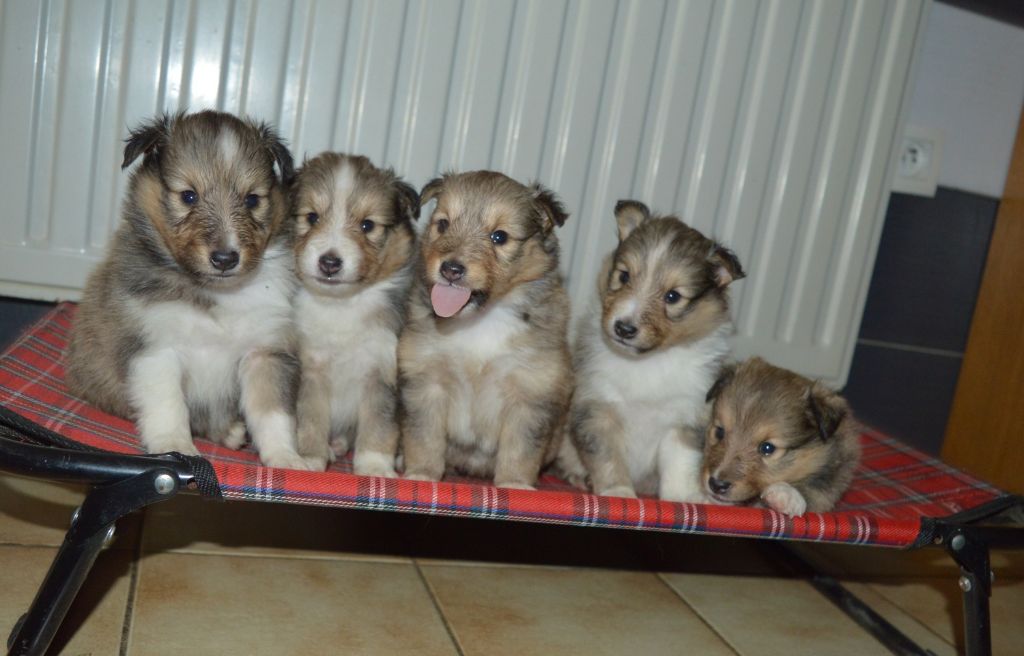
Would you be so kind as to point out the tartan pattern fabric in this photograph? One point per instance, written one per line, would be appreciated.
(895, 486)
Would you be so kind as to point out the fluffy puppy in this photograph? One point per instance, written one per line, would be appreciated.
(353, 246)
(778, 438)
(484, 359)
(645, 362)
(185, 327)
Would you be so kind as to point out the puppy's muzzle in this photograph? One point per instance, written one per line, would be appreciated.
(625, 330)
(452, 270)
(224, 260)
(718, 486)
(329, 264)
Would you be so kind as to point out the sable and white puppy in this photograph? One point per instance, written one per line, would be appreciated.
(186, 325)
(484, 360)
(644, 365)
(778, 438)
(353, 252)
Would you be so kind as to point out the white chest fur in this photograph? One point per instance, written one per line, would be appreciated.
(654, 394)
(345, 338)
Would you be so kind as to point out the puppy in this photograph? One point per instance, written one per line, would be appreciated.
(185, 326)
(778, 438)
(353, 246)
(484, 359)
(644, 365)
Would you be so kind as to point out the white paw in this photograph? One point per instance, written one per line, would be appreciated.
(784, 498)
(416, 476)
(235, 437)
(285, 460)
(373, 463)
(315, 463)
(515, 486)
(626, 491)
(168, 443)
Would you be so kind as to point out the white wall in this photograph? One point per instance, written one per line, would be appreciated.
(970, 85)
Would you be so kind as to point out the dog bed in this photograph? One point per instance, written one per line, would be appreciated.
(900, 497)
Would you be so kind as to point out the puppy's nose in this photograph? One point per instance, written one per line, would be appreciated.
(717, 486)
(625, 330)
(452, 270)
(330, 264)
(224, 260)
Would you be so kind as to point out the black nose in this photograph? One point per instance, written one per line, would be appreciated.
(452, 271)
(330, 264)
(717, 486)
(625, 330)
(224, 260)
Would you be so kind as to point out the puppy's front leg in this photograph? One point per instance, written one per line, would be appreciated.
(424, 429)
(154, 381)
(522, 440)
(679, 461)
(377, 436)
(784, 498)
(267, 380)
(313, 414)
(599, 437)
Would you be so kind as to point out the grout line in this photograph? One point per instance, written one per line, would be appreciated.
(133, 584)
(924, 350)
(721, 636)
(437, 606)
(346, 557)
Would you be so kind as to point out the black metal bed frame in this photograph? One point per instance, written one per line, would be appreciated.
(122, 484)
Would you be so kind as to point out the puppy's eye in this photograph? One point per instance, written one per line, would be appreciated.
(766, 448)
(442, 225)
(312, 218)
(672, 297)
(624, 277)
(251, 201)
(499, 237)
(720, 433)
(189, 197)
(367, 225)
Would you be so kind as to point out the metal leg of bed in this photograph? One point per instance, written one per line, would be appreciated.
(123, 484)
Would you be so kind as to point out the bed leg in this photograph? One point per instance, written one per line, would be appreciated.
(92, 527)
(972, 555)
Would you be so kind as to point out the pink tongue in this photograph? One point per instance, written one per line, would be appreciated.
(448, 299)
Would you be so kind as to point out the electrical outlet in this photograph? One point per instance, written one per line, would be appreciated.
(917, 171)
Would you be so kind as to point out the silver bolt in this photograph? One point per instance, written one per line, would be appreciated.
(110, 536)
(991, 576)
(164, 484)
(965, 584)
(74, 515)
(957, 542)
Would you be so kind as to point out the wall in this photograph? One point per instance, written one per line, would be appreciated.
(970, 85)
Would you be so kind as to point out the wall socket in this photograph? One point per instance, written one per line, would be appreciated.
(917, 171)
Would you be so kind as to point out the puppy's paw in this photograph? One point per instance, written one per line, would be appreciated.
(169, 443)
(784, 498)
(315, 463)
(625, 491)
(420, 476)
(514, 485)
(235, 437)
(283, 459)
(374, 463)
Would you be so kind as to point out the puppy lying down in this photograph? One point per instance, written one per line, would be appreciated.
(777, 438)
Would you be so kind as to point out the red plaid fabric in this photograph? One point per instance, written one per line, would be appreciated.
(894, 489)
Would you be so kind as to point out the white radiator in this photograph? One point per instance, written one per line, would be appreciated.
(767, 124)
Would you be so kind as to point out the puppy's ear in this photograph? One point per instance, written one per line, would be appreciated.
(431, 190)
(725, 376)
(725, 265)
(629, 214)
(551, 209)
(408, 200)
(146, 138)
(825, 410)
(279, 151)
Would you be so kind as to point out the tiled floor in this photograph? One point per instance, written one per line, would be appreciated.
(197, 577)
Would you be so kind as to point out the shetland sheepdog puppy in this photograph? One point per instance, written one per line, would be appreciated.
(484, 363)
(645, 361)
(779, 439)
(185, 326)
(353, 249)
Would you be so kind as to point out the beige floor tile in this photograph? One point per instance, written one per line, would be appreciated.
(906, 623)
(227, 605)
(762, 616)
(93, 625)
(515, 610)
(191, 524)
(937, 603)
(34, 512)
